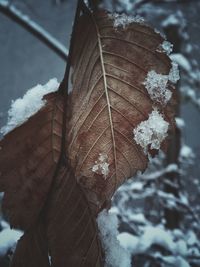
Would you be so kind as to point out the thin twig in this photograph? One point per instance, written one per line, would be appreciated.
(34, 28)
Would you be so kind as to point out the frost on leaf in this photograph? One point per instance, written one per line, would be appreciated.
(115, 254)
(156, 85)
(152, 132)
(101, 165)
(23, 108)
(174, 73)
(166, 47)
(123, 20)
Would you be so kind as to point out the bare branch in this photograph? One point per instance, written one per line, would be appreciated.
(31, 26)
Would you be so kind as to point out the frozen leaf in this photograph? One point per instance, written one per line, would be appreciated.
(109, 101)
(32, 249)
(28, 158)
(56, 200)
(72, 231)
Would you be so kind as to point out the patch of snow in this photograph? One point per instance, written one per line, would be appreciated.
(23, 108)
(129, 242)
(174, 73)
(137, 217)
(186, 152)
(4, 224)
(86, 3)
(166, 47)
(157, 236)
(152, 236)
(192, 239)
(136, 186)
(171, 168)
(160, 33)
(152, 132)
(101, 165)
(181, 248)
(115, 254)
(156, 85)
(123, 20)
(170, 20)
(183, 198)
(180, 123)
(8, 240)
(182, 61)
(175, 261)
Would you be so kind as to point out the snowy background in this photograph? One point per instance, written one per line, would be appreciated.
(157, 213)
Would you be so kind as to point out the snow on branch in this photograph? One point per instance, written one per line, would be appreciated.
(31, 26)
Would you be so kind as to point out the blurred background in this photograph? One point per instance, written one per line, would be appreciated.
(159, 211)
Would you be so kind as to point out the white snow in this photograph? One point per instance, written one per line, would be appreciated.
(182, 61)
(166, 47)
(175, 261)
(192, 239)
(174, 73)
(136, 186)
(137, 217)
(158, 236)
(153, 235)
(160, 33)
(23, 108)
(152, 132)
(156, 85)
(171, 20)
(123, 20)
(101, 165)
(186, 152)
(129, 242)
(8, 240)
(115, 254)
(180, 123)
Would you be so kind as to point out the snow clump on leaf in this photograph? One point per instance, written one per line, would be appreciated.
(23, 108)
(152, 132)
(123, 20)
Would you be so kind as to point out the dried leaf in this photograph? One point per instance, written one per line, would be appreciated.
(29, 155)
(109, 99)
(37, 204)
(32, 248)
(71, 228)
(57, 204)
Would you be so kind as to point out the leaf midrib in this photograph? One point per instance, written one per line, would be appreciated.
(107, 98)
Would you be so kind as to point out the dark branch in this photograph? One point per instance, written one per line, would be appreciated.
(31, 26)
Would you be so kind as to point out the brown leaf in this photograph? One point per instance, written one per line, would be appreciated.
(109, 100)
(28, 158)
(57, 204)
(32, 248)
(71, 228)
